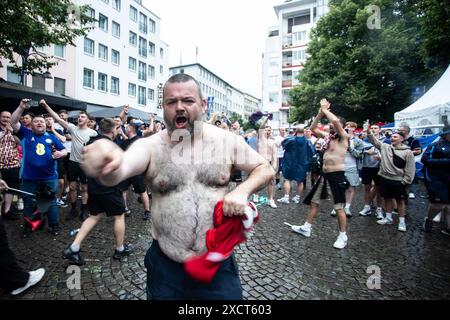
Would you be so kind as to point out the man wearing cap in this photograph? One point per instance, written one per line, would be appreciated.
(436, 161)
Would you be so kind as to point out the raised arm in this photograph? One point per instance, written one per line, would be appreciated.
(124, 113)
(373, 140)
(54, 114)
(314, 126)
(15, 117)
(325, 107)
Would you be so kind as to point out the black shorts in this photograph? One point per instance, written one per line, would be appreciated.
(370, 174)
(138, 183)
(76, 173)
(280, 160)
(66, 161)
(392, 189)
(11, 177)
(112, 204)
(60, 168)
(236, 176)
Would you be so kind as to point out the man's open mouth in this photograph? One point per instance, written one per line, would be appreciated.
(181, 122)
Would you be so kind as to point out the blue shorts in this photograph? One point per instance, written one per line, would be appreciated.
(167, 280)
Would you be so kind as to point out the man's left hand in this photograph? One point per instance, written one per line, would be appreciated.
(234, 204)
(57, 154)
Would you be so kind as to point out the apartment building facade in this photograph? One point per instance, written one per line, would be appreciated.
(285, 54)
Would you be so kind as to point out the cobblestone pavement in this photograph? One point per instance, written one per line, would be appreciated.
(274, 264)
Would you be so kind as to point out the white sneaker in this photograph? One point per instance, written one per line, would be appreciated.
(341, 242)
(385, 221)
(437, 218)
(35, 277)
(272, 204)
(402, 226)
(255, 198)
(412, 195)
(284, 200)
(303, 230)
(379, 214)
(366, 211)
(333, 213)
(20, 204)
(296, 199)
(348, 213)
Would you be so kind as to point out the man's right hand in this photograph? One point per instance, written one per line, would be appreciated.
(325, 105)
(25, 104)
(102, 160)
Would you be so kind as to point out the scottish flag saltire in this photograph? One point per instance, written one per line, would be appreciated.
(424, 142)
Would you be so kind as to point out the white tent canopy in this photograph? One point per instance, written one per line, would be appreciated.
(430, 108)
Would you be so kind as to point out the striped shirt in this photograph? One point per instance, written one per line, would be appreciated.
(9, 156)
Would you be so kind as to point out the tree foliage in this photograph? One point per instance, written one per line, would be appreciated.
(368, 73)
(29, 24)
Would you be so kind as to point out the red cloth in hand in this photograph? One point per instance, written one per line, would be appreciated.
(220, 242)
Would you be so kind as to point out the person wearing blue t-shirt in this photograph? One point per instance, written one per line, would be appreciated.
(40, 152)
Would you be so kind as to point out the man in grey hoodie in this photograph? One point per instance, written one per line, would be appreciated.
(397, 170)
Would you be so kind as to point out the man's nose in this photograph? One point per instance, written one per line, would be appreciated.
(179, 106)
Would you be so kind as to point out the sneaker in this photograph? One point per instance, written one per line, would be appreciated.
(401, 226)
(284, 200)
(437, 218)
(333, 213)
(127, 212)
(395, 211)
(35, 277)
(54, 230)
(366, 211)
(348, 213)
(79, 197)
(74, 257)
(61, 203)
(446, 232)
(255, 198)
(379, 214)
(272, 204)
(385, 221)
(146, 215)
(20, 204)
(427, 225)
(125, 252)
(303, 230)
(296, 199)
(64, 196)
(341, 242)
(411, 195)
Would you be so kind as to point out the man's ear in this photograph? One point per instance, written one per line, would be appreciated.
(204, 105)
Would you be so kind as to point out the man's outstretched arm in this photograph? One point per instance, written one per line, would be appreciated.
(325, 107)
(54, 114)
(15, 117)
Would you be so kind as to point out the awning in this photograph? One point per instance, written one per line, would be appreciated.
(132, 112)
(11, 94)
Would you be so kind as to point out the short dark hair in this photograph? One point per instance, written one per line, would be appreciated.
(47, 115)
(107, 125)
(31, 114)
(84, 112)
(181, 78)
(62, 111)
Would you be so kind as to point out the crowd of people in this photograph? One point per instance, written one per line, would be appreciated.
(98, 161)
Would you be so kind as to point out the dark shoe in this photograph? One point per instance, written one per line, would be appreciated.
(427, 225)
(146, 215)
(74, 257)
(54, 230)
(127, 212)
(27, 230)
(125, 252)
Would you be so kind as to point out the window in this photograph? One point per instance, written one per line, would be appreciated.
(131, 89)
(59, 51)
(102, 82)
(151, 72)
(132, 64)
(38, 82)
(299, 20)
(299, 55)
(115, 29)
(114, 85)
(102, 52)
(115, 57)
(133, 39)
(142, 47)
(102, 22)
(161, 53)
(142, 22)
(151, 94)
(133, 14)
(299, 36)
(89, 46)
(88, 78)
(152, 25)
(12, 76)
(142, 99)
(151, 48)
(161, 69)
(90, 13)
(142, 71)
(116, 4)
(59, 86)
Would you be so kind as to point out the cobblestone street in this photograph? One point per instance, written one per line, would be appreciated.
(275, 263)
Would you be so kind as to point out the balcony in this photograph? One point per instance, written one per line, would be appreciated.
(286, 83)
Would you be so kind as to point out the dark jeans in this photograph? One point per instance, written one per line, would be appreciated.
(28, 201)
(167, 280)
(12, 275)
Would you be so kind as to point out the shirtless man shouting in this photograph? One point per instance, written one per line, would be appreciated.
(184, 192)
(335, 148)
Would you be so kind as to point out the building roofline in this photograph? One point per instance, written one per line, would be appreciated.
(202, 66)
(290, 4)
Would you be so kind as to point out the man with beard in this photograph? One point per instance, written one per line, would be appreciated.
(186, 187)
(80, 136)
(40, 152)
(335, 148)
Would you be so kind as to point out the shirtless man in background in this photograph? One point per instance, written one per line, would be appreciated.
(335, 148)
(267, 148)
(185, 190)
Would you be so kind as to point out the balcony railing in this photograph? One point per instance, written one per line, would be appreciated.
(286, 83)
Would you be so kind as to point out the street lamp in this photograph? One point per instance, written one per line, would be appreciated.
(47, 75)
